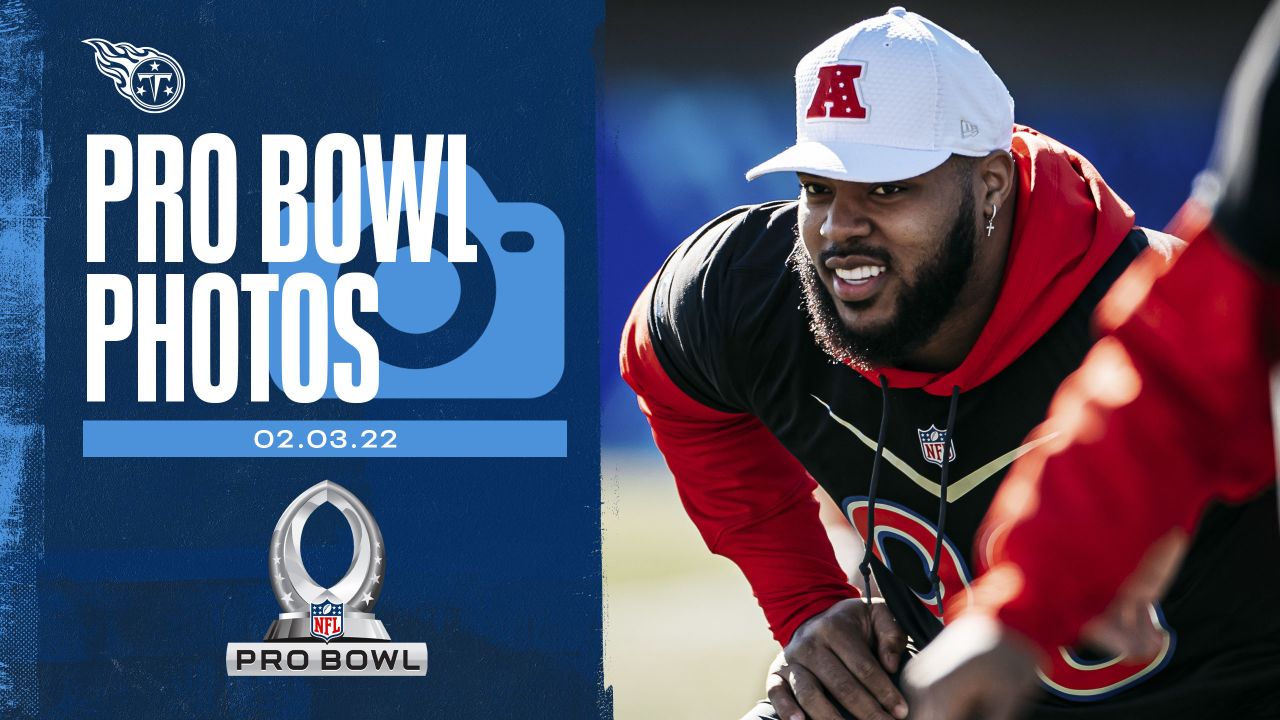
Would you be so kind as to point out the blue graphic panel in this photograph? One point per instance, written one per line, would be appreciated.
(129, 571)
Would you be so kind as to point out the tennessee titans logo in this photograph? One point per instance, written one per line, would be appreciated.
(931, 445)
(326, 620)
(148, 78)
